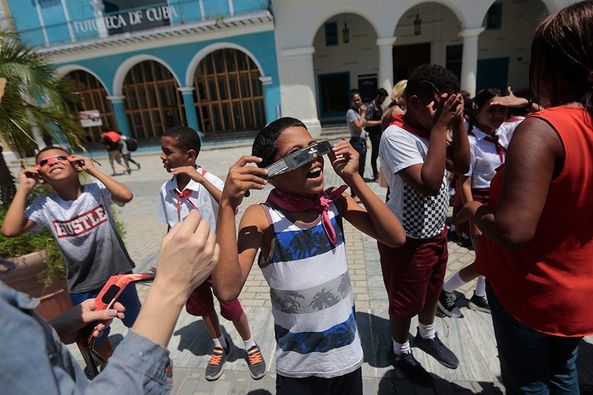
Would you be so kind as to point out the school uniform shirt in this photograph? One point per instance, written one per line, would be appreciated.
(175, 205)
(422, 216)
(85, 232)
(484, 157)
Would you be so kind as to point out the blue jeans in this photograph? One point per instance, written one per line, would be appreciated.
(532, 362)
(360, 145)
(129, 298)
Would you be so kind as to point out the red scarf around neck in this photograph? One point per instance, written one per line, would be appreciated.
(321, 203)
(399, 121)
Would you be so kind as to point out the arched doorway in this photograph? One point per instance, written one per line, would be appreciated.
(504, 46)
(93, 96)
(427, 33)
(228, 95)
(153, 101)
(346, 57)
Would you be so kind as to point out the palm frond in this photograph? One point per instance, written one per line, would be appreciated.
(34, 96)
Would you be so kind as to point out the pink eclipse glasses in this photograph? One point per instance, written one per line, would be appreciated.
(52, 159)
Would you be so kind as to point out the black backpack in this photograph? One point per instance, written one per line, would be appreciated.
(132, 144)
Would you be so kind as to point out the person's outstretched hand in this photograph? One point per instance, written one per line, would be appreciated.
(189, 253)
(70, 323)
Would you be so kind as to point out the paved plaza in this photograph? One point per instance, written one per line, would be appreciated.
(470, 337)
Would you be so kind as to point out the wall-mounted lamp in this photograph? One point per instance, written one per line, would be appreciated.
(346, 33)
(417, 24)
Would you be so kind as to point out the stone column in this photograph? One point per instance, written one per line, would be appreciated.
(469, 62)
(385, 45)
(187, 92)
(119, 111)
(298, 95)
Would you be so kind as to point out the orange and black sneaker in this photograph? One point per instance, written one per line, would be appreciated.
(256, 363)
(217, 360)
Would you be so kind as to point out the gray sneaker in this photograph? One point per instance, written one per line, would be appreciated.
(447, 305)
(216, 362)
(256, 363)
(437, 349)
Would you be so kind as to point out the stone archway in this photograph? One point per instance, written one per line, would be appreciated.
(93, 96)
(346, 57)
(426, 33)
(228, 92)
(152, 99)
(504, 47)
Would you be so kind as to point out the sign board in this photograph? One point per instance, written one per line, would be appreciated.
(90, 118)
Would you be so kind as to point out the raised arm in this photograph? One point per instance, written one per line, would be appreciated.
(237, 256)
(529, 169)
(426, 178)
(375, 218)
(197, 177)
(119, 192)
(458, 152)
(15, 223)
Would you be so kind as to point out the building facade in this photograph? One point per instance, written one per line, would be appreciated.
(147, 65)
(225, 66)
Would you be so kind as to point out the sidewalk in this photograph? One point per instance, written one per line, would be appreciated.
(471, 337)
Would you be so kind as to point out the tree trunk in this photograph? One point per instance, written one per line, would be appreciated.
(7, 185)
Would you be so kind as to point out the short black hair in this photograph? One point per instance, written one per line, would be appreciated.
(382, 92)
(188, 138)
(264, 145)
(354, 92)
(426, 77)
(48, 148)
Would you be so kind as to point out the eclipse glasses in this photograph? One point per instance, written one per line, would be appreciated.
(300, 158)
(105, 300)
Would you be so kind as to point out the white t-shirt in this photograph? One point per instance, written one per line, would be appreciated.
(422, 216)
(484, 158)
(173, 209)
(86, 235)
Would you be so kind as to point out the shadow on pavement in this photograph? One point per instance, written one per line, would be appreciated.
(394, 382)
(375, 339)
(196, 339)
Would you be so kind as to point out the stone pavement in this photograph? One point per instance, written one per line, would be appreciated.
(471, 337)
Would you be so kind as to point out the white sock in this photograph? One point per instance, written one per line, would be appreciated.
(427, 331)
(401, 348)
(249, 343)
(220, 342)
(481, 287)
(453, 283)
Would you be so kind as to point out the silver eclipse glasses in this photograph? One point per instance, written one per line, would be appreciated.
(300, 158)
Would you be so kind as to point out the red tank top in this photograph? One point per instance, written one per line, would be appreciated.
(548, 283)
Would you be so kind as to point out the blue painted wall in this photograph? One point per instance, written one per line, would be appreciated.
(177, 57)
(26, 21)
(82, 16)
(55, 21)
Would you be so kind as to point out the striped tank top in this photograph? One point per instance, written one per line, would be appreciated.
(312, 299)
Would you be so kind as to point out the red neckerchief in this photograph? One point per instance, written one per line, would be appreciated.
(399, 121)
(185, 194)
(321, 203)
(500, 150)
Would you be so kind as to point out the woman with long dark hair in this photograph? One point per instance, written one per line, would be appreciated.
(538, 251)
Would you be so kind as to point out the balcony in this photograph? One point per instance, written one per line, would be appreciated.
(85, 28)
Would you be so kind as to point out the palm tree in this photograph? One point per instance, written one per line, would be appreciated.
(33, 96)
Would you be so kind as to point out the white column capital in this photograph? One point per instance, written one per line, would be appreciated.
(386, 41)
(116, 99)
(186, 89)
(265, 80)
(302, 51)
(471, 32)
